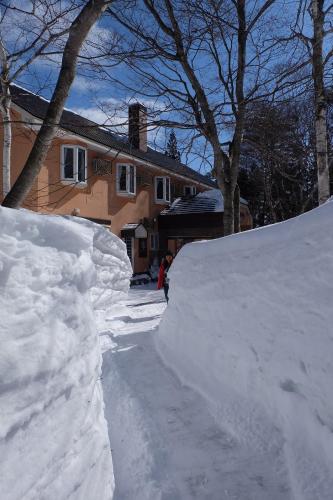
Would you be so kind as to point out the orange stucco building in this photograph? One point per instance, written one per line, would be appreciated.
(91, 173)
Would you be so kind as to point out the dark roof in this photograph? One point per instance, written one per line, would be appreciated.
(190, 205)
(209, 201)
(37, 107)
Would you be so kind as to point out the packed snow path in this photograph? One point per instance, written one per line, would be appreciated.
(165, 444)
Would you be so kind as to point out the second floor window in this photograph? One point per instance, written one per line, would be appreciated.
(74, 164)
(162, 189)
(126, 181)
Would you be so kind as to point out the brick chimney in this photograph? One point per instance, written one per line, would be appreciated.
(137, 126)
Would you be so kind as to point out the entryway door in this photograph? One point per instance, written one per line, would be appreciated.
(129, 241)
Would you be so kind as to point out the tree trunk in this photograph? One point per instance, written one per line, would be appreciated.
(237, 227)
(5, 103)
(222, 172)
(229, 214)
(7, 139)
(77, 35)
(318, 18)
(235, 147)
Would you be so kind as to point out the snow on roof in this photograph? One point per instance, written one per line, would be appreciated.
(130, 226)
(216, 195)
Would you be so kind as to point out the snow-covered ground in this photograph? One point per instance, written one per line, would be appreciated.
(165, 442)
(53, 435)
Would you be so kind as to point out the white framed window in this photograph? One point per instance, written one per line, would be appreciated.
(73, 164)
(190, 190)
(126, 179)
(162, 189)
(154, 241)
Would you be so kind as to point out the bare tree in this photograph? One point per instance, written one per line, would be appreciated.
(26, 32)
(318, 65)
(319, 15)
(77, 34)
(205, 61)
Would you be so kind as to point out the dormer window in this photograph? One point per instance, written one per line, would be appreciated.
(190, 190)
(162, 189)
(126, 179)
(74, 164)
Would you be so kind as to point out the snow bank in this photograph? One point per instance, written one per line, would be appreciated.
(249, 324)
(53, 435)
(112, 265)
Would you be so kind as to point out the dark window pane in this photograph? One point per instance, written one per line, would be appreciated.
(187, 191)
(69, 163)
(131, 179)
(159, 188)
(142, 247)
(167, 189)
(122, 177)
(81, 165)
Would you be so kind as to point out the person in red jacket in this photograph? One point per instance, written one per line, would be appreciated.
(163, 281)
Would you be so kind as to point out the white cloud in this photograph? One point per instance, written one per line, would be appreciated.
(116, 122)
(84, 84)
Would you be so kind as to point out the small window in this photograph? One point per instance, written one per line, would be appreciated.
(68, 163)
(154, 243)
(162, 189)
(74, 164)
(142, 247)
(81, 165)
(126, 179)
(131, 180)
(122, 186)
(190, 190)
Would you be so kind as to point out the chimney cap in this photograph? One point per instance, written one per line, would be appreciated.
(138, 104)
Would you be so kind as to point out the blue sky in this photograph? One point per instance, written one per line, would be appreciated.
(105, 102)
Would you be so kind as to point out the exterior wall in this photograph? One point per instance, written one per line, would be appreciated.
(89, 201)
(22, 139)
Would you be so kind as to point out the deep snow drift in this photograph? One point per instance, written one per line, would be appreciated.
(249, 324)
(53, 435)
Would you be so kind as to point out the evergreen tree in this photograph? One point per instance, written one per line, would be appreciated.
(172, 147)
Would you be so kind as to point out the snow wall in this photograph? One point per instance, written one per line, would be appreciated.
(250, 325)
(53, 436)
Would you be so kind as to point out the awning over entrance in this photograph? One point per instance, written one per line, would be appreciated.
(134, 231)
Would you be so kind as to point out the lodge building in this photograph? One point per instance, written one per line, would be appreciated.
(150, 200)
